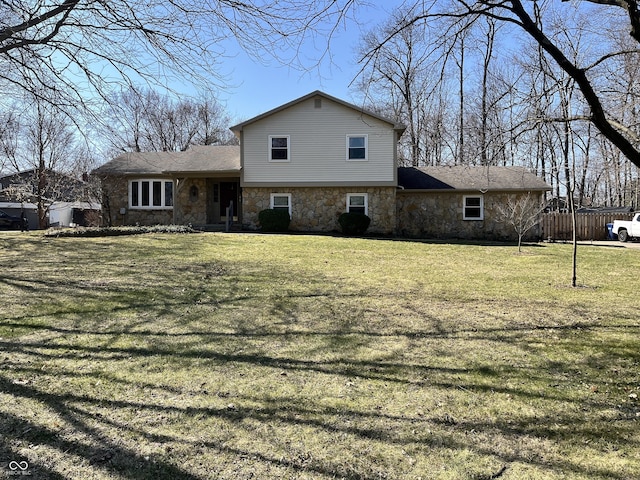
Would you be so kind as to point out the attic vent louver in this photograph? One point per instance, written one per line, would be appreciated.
(317, 103)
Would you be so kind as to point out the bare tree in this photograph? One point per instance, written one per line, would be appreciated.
(8, 138)
(214, 123)
(44, 147)
(522, 213)
(71, 51)
(585, 69)
(145, 120)
(398, 78)
(460, 63)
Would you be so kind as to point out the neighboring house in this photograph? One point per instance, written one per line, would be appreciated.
(315, 157)
(67, 201)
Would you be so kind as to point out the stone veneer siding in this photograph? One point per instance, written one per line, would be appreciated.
(439, 215)
(318, 208)
(191, 209)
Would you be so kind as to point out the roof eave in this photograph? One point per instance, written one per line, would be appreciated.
(471, 190)
(202, 173)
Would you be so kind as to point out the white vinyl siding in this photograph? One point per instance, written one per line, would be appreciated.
(320, 136)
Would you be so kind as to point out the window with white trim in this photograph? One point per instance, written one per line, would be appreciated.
(279, 148)
(357, 148)
(281, 201)
(358, 203)
(151, 194)
(473, 207)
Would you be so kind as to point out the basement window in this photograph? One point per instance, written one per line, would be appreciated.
(281, 201)
(357, 203)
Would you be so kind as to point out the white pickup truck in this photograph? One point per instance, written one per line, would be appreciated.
(626, 229)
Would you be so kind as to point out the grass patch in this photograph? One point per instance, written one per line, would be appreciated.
(254, 356)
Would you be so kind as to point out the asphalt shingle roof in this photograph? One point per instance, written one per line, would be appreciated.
(196, 160)
(469, 178)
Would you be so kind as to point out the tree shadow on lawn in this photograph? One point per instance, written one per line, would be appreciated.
(97, 448)
(97, 451)
(92, 425)
(408, 239)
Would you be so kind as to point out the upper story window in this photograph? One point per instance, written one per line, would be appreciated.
(279, 148)
(358, 203)
(473, 207)
(281, 201)
(151, 194)
(357, 146)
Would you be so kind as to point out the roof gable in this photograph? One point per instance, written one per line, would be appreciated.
(317, 94)
(468, 178)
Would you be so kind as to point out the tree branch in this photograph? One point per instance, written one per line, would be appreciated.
(10, 32)
(598, 116)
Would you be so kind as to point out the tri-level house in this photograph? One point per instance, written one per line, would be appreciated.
(316, 157)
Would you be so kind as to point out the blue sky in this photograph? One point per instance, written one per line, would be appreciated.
(258, 87)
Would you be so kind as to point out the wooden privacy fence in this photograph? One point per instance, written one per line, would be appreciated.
(590, 226)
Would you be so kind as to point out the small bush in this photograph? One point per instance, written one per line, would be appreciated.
(354, 223)
(116, 231)
(272, 220)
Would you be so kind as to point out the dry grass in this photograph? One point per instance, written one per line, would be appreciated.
(248, 356)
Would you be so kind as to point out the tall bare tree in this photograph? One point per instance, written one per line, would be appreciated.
(585, 69)
(45, 148)
(145, 120)
(70, 51)
(398, 78)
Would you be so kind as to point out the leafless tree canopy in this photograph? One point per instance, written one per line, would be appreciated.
(539, 21)
(68, 51)
(142, 120)
(485, 81)
(522, 213)
(45, 148)
(548, 85)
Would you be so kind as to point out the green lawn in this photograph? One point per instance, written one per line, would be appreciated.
(216, 356)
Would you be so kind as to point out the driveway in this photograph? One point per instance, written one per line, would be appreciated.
(611, 243)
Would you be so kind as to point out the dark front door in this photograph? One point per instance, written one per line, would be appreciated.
(228, 194)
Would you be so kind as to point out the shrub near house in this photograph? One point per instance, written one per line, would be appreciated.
(272, 220)
(354, 223)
